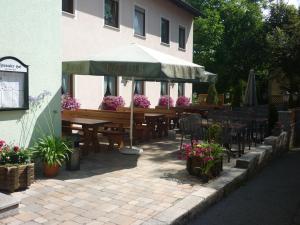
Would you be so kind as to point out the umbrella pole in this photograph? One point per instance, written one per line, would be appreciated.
(131, 112)
(168, 94)
(131, 150)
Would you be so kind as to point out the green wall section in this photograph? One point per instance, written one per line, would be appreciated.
(31, 31)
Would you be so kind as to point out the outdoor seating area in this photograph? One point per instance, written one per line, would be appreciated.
(239, 128)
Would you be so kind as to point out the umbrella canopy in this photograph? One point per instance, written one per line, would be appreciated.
(137, 61)
(250, 95)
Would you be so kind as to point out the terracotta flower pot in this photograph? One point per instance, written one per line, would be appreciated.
(51, 171)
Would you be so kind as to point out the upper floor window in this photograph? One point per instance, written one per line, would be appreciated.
(165, 31)
(163, 88)
(181, 38)
(181, 89)
(68, 6)
(110, 85)
(139, 21)
(112, 13)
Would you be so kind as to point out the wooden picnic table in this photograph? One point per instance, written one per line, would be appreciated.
(90, 129)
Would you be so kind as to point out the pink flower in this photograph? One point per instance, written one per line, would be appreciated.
(164, 100)
(112, 102)
(69, 103)
(183, 101)
(16, 148)
(141, 101)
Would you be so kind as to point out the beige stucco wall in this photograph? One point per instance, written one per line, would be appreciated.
(84, 35)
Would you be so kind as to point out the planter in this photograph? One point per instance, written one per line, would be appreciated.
(51, 171)
(194, 165)
(16, 177)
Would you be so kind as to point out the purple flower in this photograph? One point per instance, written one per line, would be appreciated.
(141, 101)
(183, 101)
(163, 101)
(112, 102)
(69, 103)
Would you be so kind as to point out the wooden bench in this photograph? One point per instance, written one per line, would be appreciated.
(117, 131)
(170, 116)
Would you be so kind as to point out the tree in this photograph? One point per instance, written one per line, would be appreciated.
(283, 38)
(229, 39)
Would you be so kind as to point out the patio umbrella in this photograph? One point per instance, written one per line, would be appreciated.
(139, 62)
(250, 95)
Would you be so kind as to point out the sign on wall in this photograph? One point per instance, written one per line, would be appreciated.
(13, 84)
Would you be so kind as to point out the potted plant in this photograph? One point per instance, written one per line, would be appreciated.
(16, 169)
(112, 102)
(204, 159)
(166, 100)
(53, 151)
(141, 101)
(183, 101)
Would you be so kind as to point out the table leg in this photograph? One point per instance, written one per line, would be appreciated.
(95, 141)
(87, 138)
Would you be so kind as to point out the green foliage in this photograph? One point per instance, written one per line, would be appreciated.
(237, 94)
(52, 150)
(212, 97)
(283, 39)
(229, 39)
(215, 133)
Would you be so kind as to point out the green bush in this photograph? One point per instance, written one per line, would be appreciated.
(212, 97)
(237, 95)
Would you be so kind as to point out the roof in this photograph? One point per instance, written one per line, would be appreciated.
(186, 6)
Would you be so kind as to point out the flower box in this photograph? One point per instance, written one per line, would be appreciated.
(195, 164)
(16, 177)
(204, 160)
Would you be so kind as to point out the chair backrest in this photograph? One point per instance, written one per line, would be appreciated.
(192, 125)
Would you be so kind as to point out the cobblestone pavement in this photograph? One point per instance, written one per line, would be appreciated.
(110, 188)
(271, 198)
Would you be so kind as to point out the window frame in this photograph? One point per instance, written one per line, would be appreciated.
(183, 89)
(161, 33)
(119, 15)
(140, 9)
(73, 11)
(161, 85)
(116, 86)
(184, 28)
(143, 87)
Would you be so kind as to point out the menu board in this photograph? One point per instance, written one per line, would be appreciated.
(13, 84)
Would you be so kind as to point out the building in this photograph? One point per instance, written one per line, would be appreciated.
(30, 35)
(95, 26)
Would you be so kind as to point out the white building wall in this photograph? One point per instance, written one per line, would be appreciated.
(85, 35)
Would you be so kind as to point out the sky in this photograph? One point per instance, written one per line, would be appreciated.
(293, 2)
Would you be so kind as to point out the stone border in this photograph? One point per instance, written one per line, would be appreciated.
(8, 206)
(231, 178)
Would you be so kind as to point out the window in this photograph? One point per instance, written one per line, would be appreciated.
(181, 89)
(165, 33)
(139, 21)
(112, 13)
(67, 84)
(163, 88)
(181, 38)
(139, 87)
(110, 86)
(68, 6)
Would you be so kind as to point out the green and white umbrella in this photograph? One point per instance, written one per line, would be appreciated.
(136, 62)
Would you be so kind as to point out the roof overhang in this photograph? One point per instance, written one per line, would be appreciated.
(186, 6)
